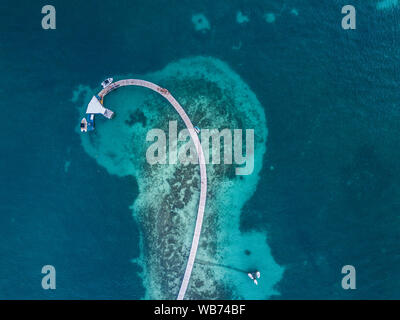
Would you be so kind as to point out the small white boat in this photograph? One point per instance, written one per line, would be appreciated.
(254, 276)
(107, 82)
(84, 125)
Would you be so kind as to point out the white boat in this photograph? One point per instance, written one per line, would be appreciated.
(84, 125)
(254, 276)
(107, 82)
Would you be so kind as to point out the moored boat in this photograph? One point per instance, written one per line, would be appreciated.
(84, 125)
(107, 82)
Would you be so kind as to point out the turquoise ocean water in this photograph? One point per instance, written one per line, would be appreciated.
(328, 190)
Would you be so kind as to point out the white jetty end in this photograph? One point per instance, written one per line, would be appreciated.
(95, 107)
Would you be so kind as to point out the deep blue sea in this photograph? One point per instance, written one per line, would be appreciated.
(331, 99)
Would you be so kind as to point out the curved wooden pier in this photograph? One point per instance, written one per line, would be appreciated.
(203, 173)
